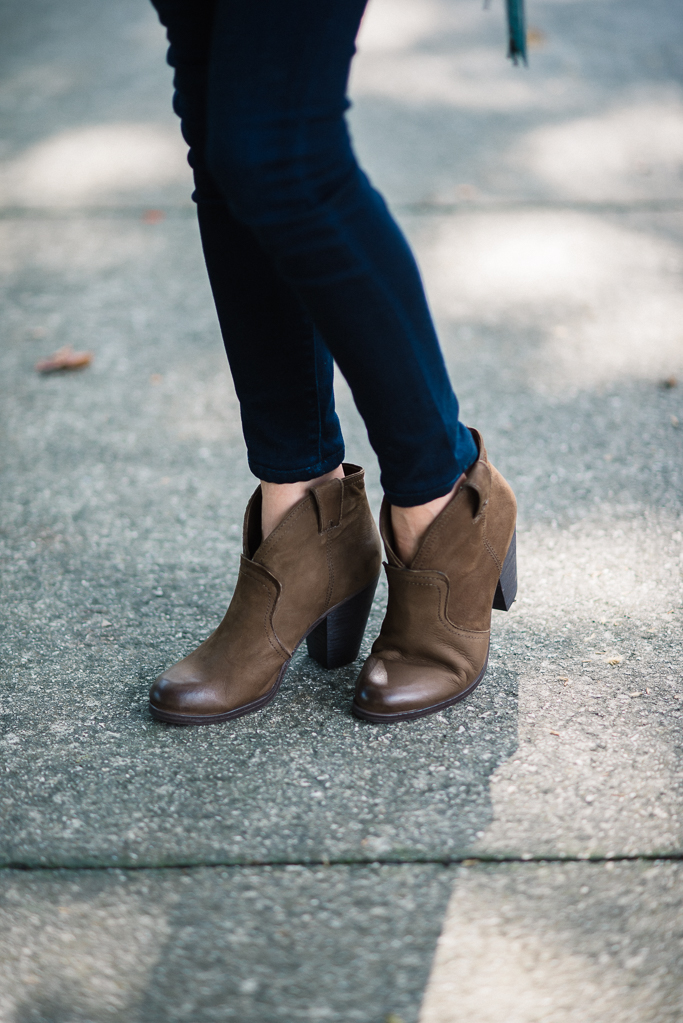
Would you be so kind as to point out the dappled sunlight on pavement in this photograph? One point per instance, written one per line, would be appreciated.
(298, 864)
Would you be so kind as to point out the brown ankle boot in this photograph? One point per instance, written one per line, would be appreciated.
(314, 577)
(433, 647)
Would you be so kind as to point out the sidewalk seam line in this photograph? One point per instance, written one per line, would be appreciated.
(436, 861)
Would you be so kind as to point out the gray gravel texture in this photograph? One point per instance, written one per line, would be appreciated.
(207, 944)
(121, 507)
(560, 943)
(546, 209)
(533, 943)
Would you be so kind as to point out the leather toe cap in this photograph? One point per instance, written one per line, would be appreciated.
(182, 697)
(402, 689)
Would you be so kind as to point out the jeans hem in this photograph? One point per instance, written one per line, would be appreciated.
(302, 475)
(403, 500)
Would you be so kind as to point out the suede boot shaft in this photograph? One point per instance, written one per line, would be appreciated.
(433, 646)
(314, 576)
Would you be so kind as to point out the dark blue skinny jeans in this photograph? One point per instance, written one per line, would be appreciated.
(305, 261)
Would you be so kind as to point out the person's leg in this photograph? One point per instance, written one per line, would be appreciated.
(283, 372)
(313, 577)
(279, 151)
(278, 155)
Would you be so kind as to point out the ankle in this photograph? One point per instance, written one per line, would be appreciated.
(278, 499)
(410, 524)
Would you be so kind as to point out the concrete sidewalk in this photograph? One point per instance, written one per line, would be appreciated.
(299, 864)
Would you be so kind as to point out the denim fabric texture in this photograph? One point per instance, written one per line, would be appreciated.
(306, 264)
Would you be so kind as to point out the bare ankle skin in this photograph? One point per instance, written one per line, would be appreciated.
(280, 498)
(411, 524)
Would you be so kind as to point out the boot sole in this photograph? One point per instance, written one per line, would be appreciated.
(325, 644)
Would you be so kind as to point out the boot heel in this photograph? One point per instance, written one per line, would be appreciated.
(336, 641)
(506, 590)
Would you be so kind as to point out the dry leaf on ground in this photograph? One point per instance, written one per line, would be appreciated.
(153, 216)
(535, 38)
(64, 358)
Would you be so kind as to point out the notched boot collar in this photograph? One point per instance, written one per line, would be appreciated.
(251, 528)
(478, 477)
(328, 499)
(475, 490)
(387, 534)
(477, 485)
(329, 502)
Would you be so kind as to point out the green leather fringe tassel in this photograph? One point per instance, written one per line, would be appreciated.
(516, 30)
